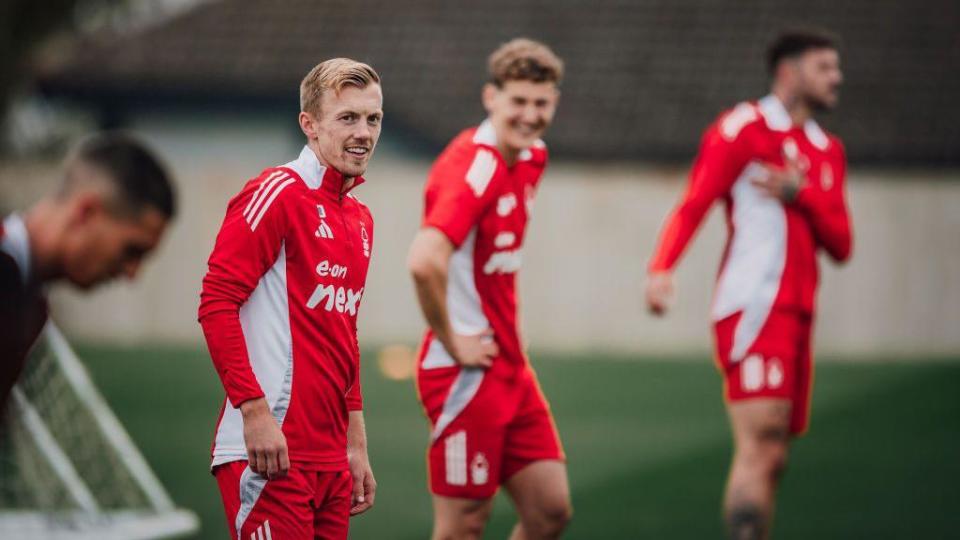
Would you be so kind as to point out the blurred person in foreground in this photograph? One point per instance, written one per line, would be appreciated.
(491, 424)
(109, 212)
(781, 178)
(279, 313)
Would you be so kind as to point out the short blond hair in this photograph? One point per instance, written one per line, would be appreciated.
(523, 59)
(334, 74)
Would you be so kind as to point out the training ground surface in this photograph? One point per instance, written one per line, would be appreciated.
(647, 444)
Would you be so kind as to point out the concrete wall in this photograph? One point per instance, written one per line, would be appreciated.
(593, 229)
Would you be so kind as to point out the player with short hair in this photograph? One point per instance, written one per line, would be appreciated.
(491, 424)
(781, 178)
(279, 313)
(109, 213)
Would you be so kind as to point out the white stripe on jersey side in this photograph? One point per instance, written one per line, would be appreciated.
(259, 190)
(752, 274)
(253, 226)
(463, 303)
(266, 528)
(455, 458)
(263, 195)
(265, 321)
(463, 300)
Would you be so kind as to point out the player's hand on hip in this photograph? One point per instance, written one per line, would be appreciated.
(364, 484)
(659, 292)
(477, 350)
(266, 445)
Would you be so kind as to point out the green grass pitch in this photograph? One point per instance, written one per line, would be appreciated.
(647, 444)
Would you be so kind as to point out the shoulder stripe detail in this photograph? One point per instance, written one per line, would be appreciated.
(481, 171)
(260, 189)
(736, 120)
(264, 194)
(273, 195)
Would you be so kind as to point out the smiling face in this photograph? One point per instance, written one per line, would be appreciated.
(346, 132)
(520, 111)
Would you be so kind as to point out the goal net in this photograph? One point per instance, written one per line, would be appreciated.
(68, 469)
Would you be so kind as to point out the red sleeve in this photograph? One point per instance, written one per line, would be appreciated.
(825, 207)
(246, 247)
(461, 186)
(717, 166)
(355, 394)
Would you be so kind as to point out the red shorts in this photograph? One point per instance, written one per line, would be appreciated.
(486, 426)
(778, 364)
(303, 505)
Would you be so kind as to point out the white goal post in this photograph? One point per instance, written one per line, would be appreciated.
(68, 468)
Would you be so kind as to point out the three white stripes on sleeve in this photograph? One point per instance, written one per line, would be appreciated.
(271, 186)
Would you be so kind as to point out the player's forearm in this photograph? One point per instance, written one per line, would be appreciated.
(432, 296)
(428, 267)
(228, 350)
(830, 224)
(676, 235)
(356, 433)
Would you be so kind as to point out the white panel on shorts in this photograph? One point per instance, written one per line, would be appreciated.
(464, 387)
(251, 486)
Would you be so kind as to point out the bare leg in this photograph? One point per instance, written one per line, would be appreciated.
(459, 519)
(541, 495)
(761, 435)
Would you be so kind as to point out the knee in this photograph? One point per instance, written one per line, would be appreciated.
(559, 514)
(778, 461)
(466, 526)
(767, 459)
(553, 516)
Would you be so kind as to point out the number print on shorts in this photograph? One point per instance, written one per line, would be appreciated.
(755, 373)
(455, 454)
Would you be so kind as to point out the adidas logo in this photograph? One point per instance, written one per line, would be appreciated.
(323, 231)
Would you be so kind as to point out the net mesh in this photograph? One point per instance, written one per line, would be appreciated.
(57, 467)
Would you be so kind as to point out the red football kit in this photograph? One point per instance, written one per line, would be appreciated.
(279, 312)
(764, 300)
(487, 424)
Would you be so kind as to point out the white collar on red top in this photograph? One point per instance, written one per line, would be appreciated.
(487, 135)
(778, 119)
(309, 168)
(815, 135)
(16, 243)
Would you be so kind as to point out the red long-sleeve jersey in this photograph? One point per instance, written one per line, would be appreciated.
(279, 308)
(770, 258)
